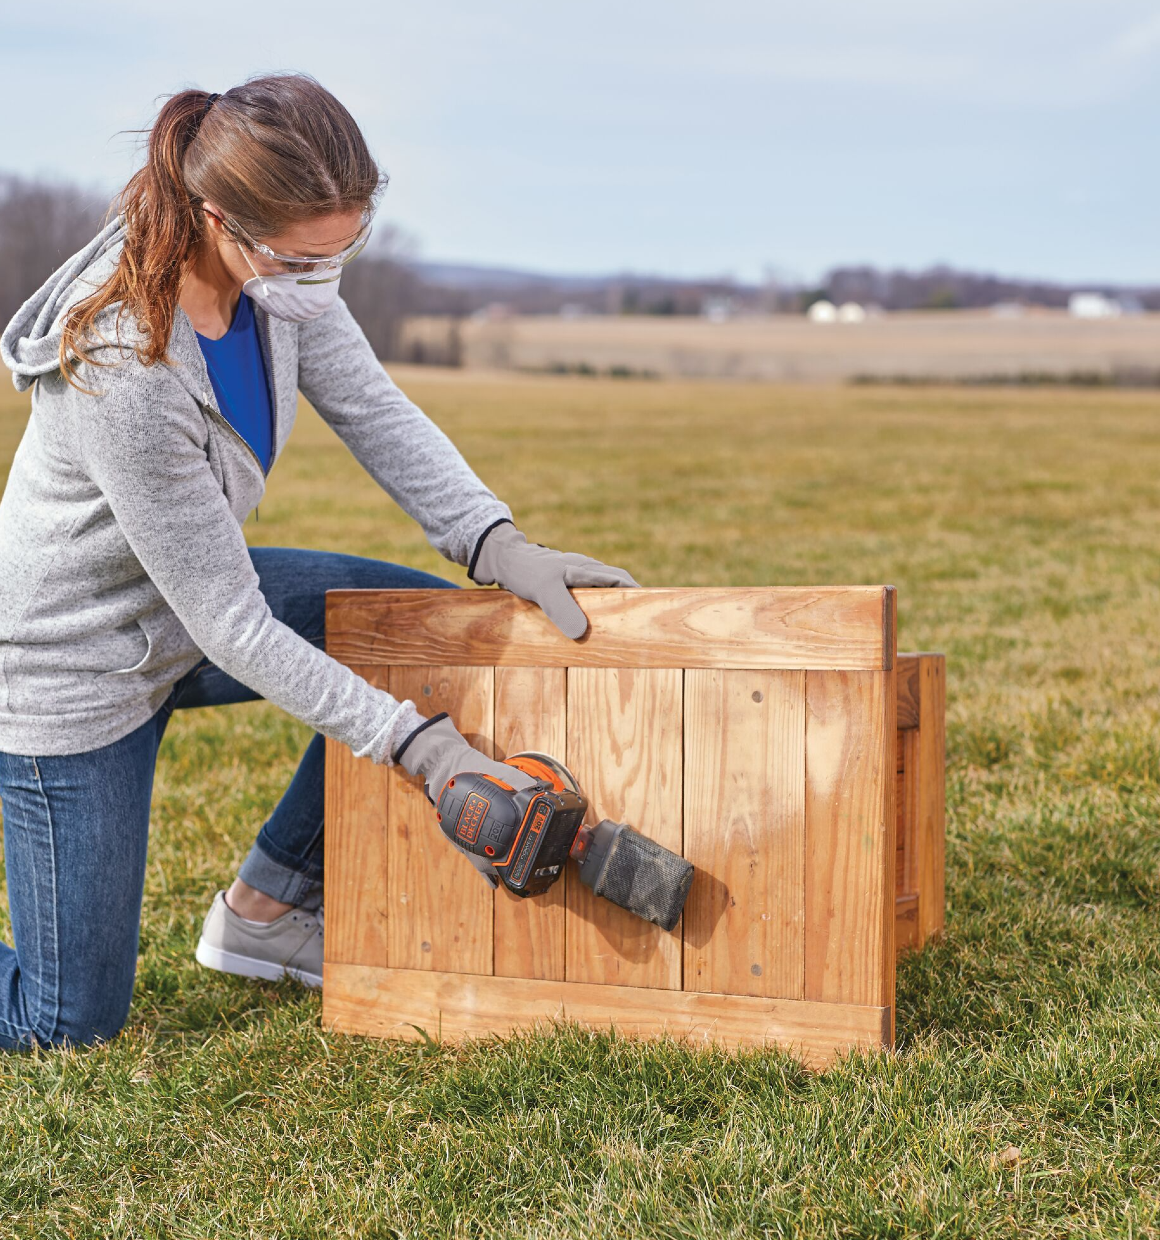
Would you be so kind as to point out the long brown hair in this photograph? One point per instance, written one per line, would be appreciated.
(270, 153)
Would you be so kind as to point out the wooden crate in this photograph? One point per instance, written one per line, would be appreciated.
(757, 731)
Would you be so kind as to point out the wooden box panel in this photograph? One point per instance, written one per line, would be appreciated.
(921, 799)
(849, 870)
(530, 713)
(624, 747)
(745, 830)
(757, 731)
(441, 911)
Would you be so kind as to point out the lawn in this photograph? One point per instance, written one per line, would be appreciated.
(1022, 529)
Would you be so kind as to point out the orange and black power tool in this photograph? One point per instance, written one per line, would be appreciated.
(529, 833)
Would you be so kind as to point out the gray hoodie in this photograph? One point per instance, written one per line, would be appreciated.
(122, 558)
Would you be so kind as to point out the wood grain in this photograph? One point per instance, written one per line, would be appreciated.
(760, 627)
(355, 852)
(901, 842)
(909, 690)
(530, 713)
(883, 879)
(624, 748)
(889, 627)
(391, 1002)
(745, 832)
(441, 908)
(849, 844)
(907, 839)
(906, 923)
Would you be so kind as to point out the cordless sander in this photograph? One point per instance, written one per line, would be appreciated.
(529, 833)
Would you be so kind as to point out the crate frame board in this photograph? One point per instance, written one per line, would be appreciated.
(773, 735)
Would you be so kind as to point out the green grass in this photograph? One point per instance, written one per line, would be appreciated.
(1022, 529)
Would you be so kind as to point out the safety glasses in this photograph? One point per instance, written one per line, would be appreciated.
(295, 264)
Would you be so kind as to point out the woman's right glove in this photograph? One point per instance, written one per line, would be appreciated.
(437, 751)
(504, 557)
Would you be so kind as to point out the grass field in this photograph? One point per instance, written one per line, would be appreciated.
(1023, 532)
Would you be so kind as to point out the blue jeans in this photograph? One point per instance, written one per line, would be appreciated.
(76, 830)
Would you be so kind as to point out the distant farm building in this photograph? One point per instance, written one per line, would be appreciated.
(718, 309)
(1093, 306)
(1008, 310)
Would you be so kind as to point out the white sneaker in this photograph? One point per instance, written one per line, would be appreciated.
(291, 944)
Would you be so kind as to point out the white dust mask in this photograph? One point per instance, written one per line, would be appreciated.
(290, 296)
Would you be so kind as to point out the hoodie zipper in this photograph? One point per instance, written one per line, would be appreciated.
(221, 417)
(273, 387)
(269, 359)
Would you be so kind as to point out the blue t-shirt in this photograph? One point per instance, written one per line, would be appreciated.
(237, 371)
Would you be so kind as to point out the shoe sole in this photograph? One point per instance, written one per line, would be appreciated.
(246, 966)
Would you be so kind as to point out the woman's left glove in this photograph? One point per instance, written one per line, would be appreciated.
(504, 557)
(438, 751)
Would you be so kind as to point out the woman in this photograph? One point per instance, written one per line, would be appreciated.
(165, 360)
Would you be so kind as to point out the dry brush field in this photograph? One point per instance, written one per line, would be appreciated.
(949, 345)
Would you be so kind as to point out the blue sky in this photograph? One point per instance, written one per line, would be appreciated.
(1016, 136)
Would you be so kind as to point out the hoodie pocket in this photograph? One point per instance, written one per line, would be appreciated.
(123, 684)
(64, 680)
(162, 652)
(142, 637)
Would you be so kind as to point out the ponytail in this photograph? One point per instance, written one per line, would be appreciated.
(162, 231)
(271, 152)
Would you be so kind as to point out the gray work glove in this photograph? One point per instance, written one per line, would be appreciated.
(437, 751)
(504, 557)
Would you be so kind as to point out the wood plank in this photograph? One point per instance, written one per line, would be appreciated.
(909, 690)
(849, 841)
(901, 849)
(906, 923)
(530, 713)
(451, 1007)
(354, 851)
(624, 748)
(907, 810)
(745, 832)
(889, 627)
(930, 813)
(761, 627)
(888, 952)
(441, 908)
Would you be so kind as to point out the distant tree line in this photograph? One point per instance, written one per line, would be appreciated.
(459, 291)
(945, 288)
(42, 222)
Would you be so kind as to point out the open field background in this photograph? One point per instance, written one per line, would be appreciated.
(1022, 529)
(950, 345)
